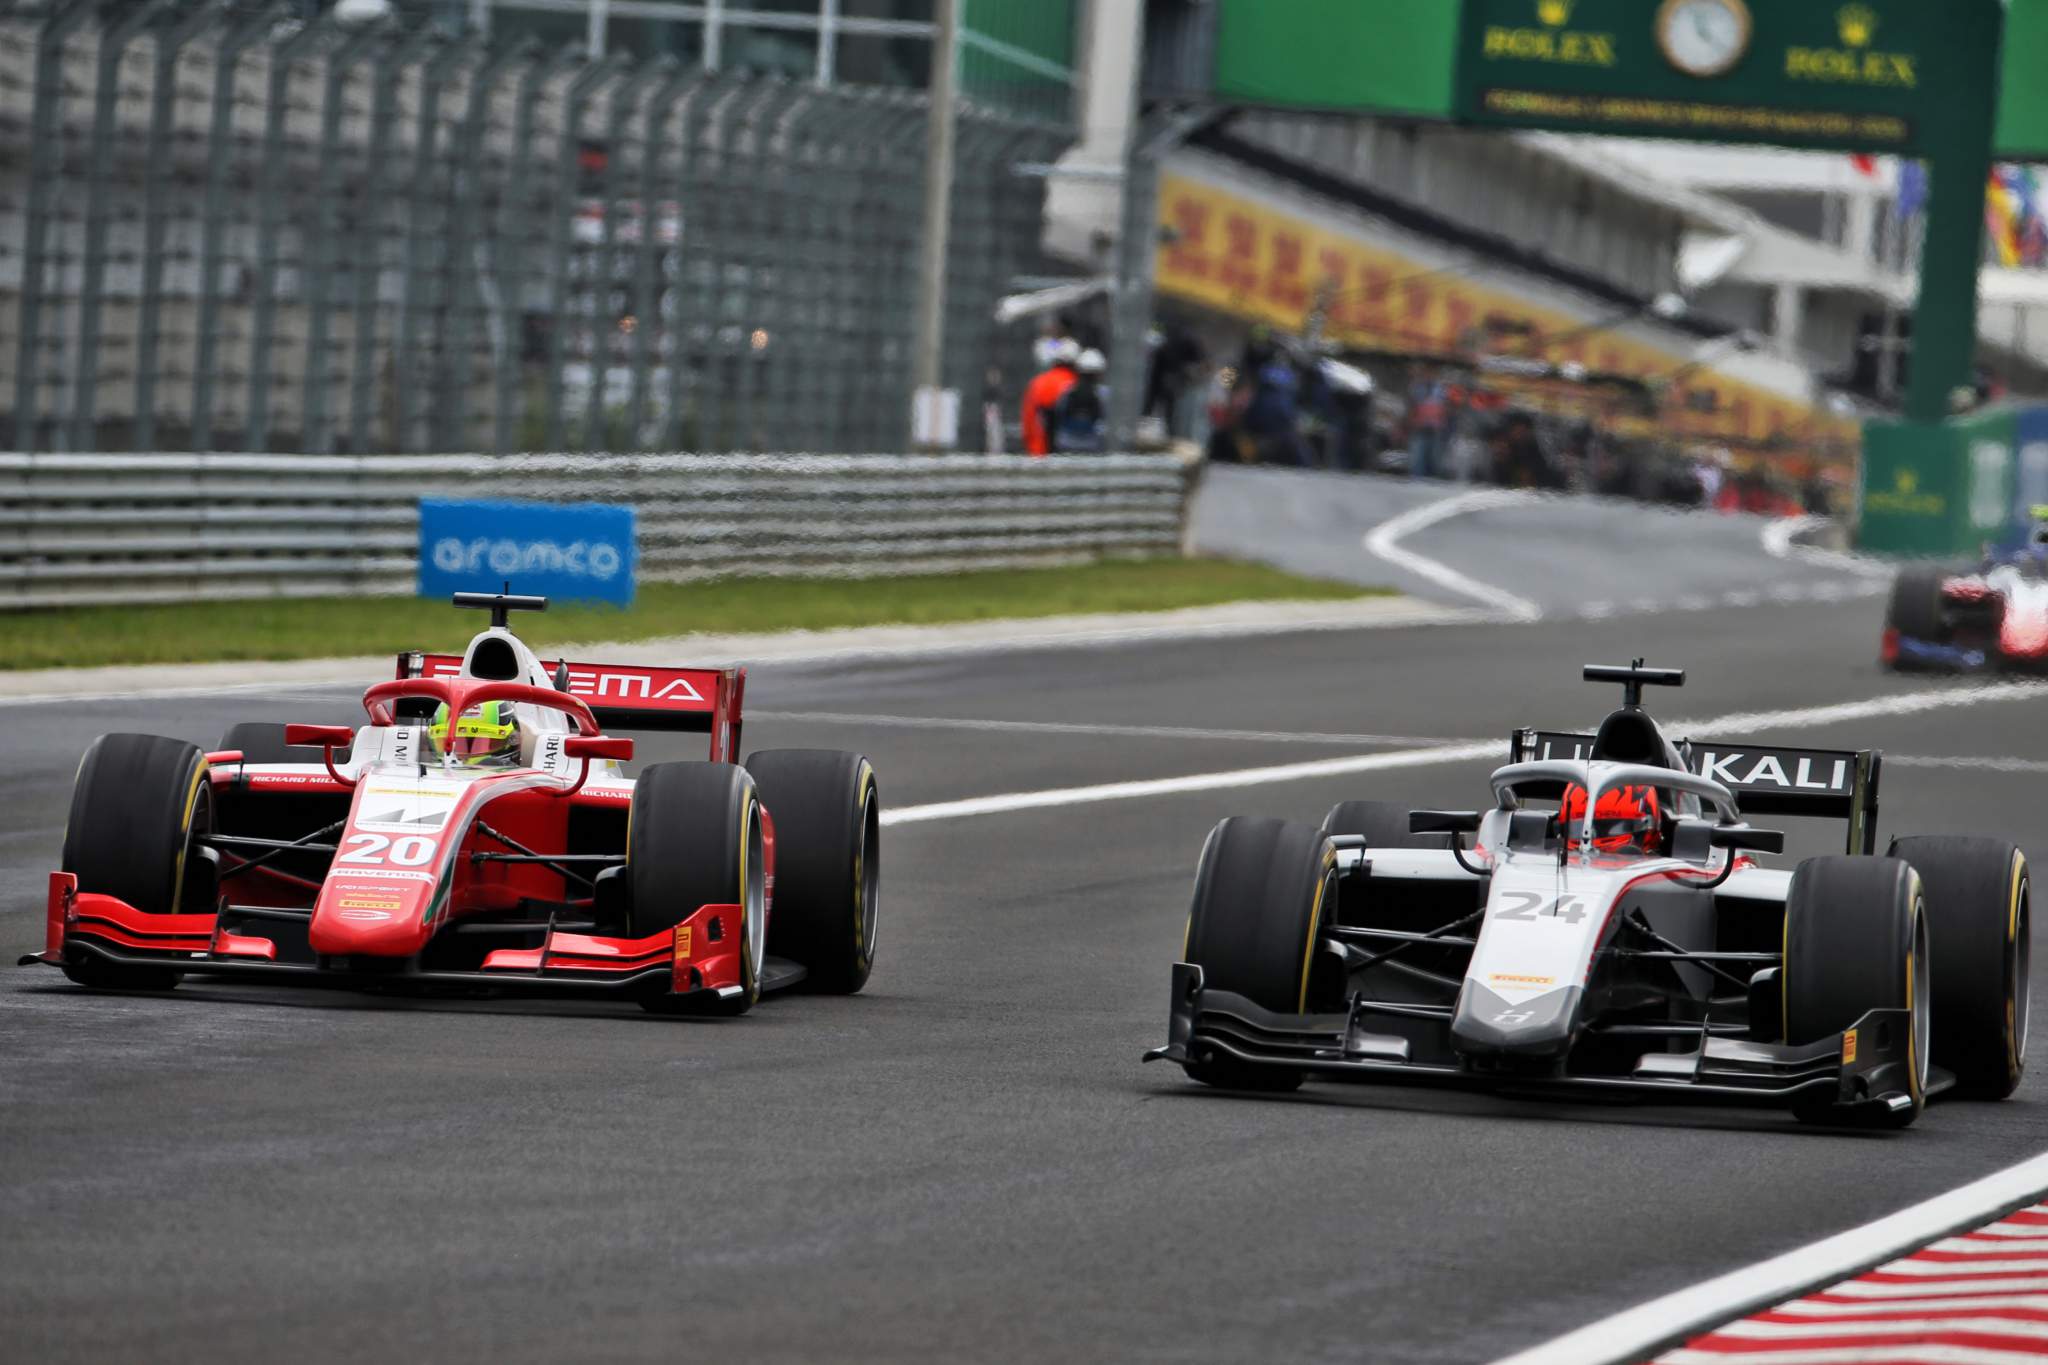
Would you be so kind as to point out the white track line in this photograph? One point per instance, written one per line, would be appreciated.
(1059, 727)
(1987, 764)
(1384, 542)
(1196, 782)
(1634, 1334)
(1901, 703)
(1781, 542)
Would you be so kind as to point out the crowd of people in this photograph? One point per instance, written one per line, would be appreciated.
(1277, 404)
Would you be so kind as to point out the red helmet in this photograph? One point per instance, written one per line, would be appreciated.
(1625, 821)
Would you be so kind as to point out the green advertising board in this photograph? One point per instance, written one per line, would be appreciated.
(1393, 56)
(2023, 93)
(1941, 489)
(1871, 75)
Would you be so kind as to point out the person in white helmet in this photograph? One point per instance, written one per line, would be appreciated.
(1080, 415)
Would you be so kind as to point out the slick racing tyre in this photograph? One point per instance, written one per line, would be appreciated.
(828, 862)
(694, 838)
(1981, 927)
(1856, 939)
(261, 741)
(1383, 823)
(1261, 891)
(139, 803)
(1915, 608)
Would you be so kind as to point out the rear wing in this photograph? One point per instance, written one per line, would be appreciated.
(1828, 784)
(700, 701)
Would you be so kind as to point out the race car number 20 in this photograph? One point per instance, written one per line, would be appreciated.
(413, 850)
(1532, 905)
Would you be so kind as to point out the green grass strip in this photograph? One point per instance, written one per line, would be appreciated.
(321, 627)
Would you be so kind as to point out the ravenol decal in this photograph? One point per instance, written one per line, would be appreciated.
(1853, 63)
(1550, 43)
(1848, 1047)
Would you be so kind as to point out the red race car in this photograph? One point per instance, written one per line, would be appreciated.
(477, 834)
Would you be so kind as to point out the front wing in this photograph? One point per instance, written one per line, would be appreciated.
(1859, 1067)
(684, 961)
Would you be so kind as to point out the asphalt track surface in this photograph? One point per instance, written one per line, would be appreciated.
(1596, 557)
(967, 1161)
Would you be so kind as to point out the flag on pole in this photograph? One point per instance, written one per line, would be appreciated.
(1912, 189)
(2002, 218)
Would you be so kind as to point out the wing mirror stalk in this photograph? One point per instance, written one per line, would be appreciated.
(325, 738)
(589, 747)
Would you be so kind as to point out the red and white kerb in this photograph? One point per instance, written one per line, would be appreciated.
(1979, 1298)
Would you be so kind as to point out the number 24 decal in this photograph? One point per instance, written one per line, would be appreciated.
(1532, 905)
(414, 850)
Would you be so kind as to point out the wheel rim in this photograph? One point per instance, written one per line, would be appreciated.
(867, 876)
(1920, 1003)
(756, 904)
(2022, 958)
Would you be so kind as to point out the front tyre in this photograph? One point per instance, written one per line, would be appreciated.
(694, 838)
(1261, 891)
(1977, 893)
(1856, 940)
(827, 813)
(139, 805)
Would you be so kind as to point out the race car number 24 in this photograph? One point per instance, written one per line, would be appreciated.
(413, 850)
(1532, 905)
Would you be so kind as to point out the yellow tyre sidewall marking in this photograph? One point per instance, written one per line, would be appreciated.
(866, 792)
(2013, 1061)
(185, 839)
(1324, 866)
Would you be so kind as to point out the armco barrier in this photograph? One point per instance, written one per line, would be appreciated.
(152, 528)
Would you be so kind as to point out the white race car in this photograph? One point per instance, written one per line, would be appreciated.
(1612, 930)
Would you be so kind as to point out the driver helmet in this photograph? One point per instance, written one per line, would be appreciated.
(484, 734)
(1626, 820)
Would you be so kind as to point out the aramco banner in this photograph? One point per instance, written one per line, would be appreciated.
(562, 551)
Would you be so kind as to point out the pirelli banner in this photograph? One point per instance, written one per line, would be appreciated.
(1254, 260)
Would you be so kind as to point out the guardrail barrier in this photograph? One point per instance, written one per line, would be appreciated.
(78, 529)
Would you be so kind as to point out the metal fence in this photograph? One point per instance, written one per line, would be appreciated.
(155, 527)
(225, 228)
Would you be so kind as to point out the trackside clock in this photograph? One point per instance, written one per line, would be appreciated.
(1703, 37)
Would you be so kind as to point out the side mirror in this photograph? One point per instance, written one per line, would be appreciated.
(597, 746)
(1743, 837)
(319, 736)
(1443, 822)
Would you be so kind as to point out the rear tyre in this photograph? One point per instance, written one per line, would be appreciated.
(261, 741)
(1915, 607)
(828, 861)
(1856, 939)
(139, 803)
(1977, 904)
(694, 838)
(1260, 894)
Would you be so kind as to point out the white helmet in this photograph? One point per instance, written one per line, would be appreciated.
(1066, 351)
(1091, 362)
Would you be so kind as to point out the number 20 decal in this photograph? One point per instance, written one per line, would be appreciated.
(414, 850)
(1531, 905)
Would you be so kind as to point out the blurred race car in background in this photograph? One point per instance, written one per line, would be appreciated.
(478, 835)
(1994, 615)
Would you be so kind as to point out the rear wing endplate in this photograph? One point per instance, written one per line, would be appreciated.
(700, 701)
(1828, 784)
